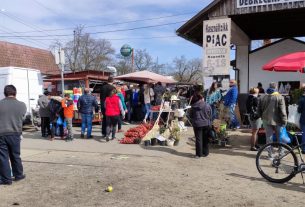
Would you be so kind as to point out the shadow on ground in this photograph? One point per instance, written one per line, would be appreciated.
(286, 186)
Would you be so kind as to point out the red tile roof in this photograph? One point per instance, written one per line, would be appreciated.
(16, 55)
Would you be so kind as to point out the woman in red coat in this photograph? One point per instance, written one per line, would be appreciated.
(114, 109)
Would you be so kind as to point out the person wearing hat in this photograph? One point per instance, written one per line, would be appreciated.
(44, 113)
(230, 100)
(272, 109)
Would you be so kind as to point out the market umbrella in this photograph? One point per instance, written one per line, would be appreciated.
(146, 77)
(293, 62)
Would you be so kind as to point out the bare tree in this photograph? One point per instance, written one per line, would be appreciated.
(143, 60)
(123, 65)
(86, 53)
(187, 70)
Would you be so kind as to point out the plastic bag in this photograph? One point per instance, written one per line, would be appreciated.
(294, 115)
(284, 136)
(59, 121)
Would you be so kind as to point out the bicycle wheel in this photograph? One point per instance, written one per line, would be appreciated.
(276, 162)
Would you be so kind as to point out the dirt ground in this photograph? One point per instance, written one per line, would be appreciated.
(77, 174)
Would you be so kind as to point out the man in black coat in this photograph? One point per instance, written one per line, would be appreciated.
(105, 92)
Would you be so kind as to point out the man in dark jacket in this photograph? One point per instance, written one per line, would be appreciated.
(230, 100)
(44, 113)
(12, 112)
(85, 106)
(105, 92)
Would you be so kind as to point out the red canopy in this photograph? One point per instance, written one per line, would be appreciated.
(146, 77)
(293, 62)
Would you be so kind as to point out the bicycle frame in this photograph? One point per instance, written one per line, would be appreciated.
(298, 147)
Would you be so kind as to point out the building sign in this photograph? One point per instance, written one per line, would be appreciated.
(216, 45)
(251, 3)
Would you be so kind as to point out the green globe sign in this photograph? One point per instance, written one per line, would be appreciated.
(126, 50)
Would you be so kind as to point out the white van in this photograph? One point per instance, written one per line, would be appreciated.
(28, 83)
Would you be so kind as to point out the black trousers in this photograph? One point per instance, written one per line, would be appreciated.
(10, 151)
(45, 126)
(112, 122)
(201, 134)
(104, 121)
(120, 122)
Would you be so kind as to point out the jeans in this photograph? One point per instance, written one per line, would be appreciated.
(270, 129)
(120, 122)
(202, 147)
(234, 122)
(128, 105)
(214, 111)
(10, 151)
(53, 127)
(147, 109)
(112, 122)
(87, 123)
(69, 128)
(303, 137)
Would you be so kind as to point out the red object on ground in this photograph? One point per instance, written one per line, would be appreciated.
(293, 62)
(135, 133)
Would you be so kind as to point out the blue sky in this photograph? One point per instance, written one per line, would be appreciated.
(40, 15)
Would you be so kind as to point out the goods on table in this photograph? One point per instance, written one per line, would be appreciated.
(133, 135)
(156, 108)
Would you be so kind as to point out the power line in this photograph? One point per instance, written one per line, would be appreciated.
(30, 41)
(104, 25)
(102, 32)
(22, 22)
(128, 38)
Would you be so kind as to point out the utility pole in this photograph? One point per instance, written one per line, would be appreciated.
(60, 60)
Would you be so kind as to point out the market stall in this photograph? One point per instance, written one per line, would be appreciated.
(75, 83)
(145, 77)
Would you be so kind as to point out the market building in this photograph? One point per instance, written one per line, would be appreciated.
(227, 24)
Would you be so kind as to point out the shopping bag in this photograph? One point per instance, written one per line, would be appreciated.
(284, 136)
(59, 121)
(294, 115)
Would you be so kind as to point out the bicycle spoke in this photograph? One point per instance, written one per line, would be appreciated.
(276, 162)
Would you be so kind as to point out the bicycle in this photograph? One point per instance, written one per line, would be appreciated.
(278, 162)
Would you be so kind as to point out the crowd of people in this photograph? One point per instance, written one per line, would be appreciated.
(119, 103)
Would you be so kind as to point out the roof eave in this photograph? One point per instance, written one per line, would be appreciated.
(188, 39)
(199, 16)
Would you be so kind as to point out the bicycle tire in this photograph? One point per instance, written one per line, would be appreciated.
(277, 145)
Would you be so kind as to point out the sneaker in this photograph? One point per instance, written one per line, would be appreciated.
(257, 146)
(107, 139)
(121, 130)
(197, 157)
(113, 138)
(82, 136)
(253, 149)
(90, 137)
(19, 178)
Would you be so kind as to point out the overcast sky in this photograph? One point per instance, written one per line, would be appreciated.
(36, 17)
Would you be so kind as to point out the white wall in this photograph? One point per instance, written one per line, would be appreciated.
(261, 57)
(242, 65)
